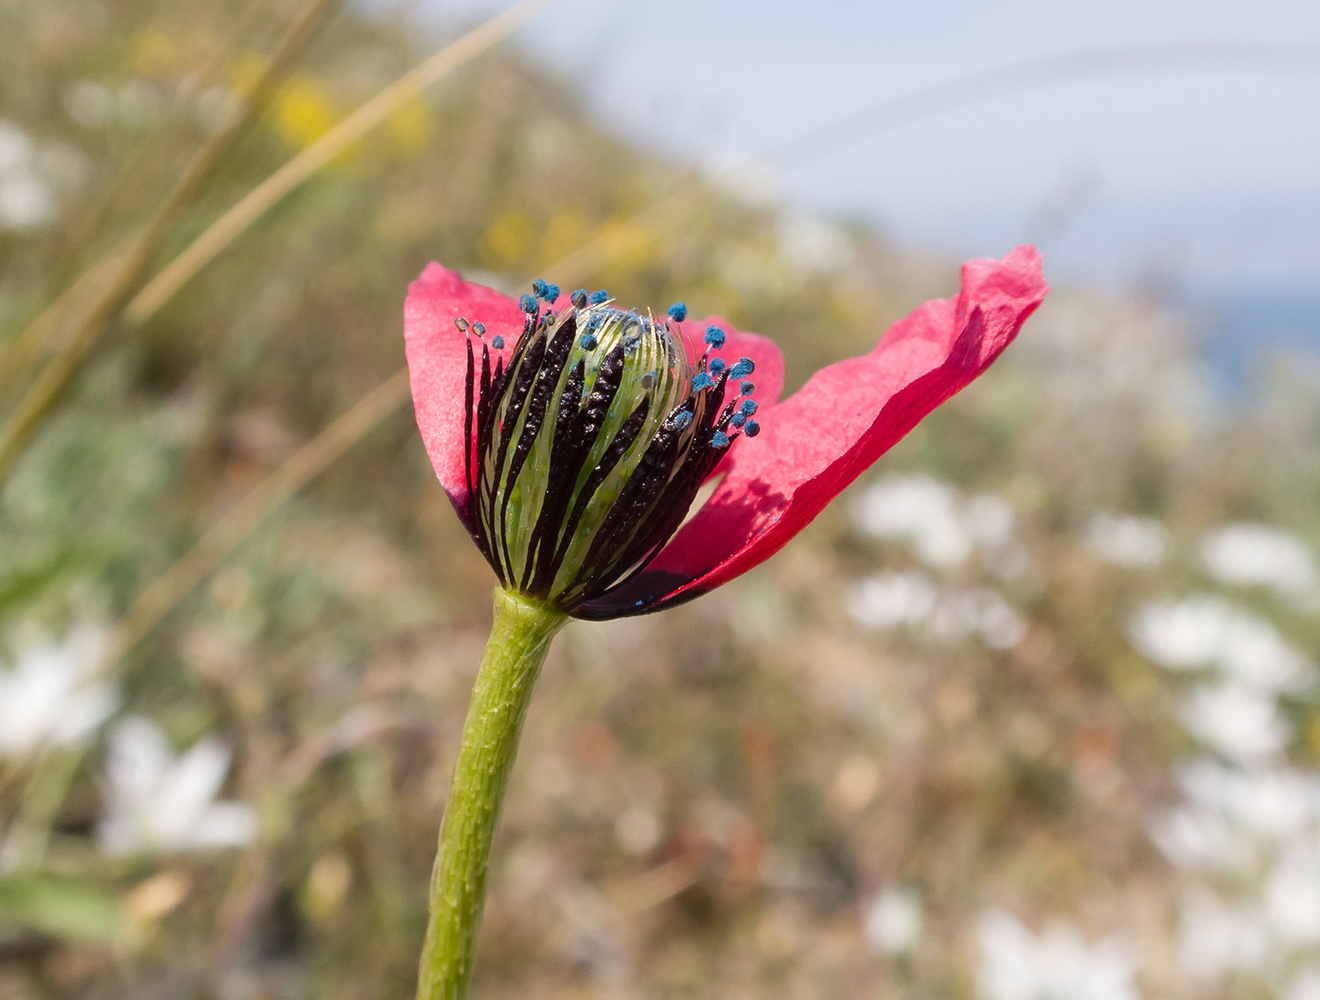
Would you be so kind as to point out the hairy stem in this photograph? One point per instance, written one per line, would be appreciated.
(519, 639)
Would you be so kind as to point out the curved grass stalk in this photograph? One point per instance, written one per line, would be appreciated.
(80, 331)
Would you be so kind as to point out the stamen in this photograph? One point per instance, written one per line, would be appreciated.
(462, 324)
(748, 388)
(748, 407)
(743, 368)
(479, 329)
(592, 440)
(752, 429)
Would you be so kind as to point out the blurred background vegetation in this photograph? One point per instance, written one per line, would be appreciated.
(873, 767)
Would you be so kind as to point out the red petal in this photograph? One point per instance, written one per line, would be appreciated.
(437, 364)
(818, 441)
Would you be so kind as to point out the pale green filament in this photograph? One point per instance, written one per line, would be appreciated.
(656, 368)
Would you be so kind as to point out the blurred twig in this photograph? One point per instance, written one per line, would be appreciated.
(260, 199)
(93, 219)
(1079, 64)
(260, 502)
(166, 591)
(126, 265)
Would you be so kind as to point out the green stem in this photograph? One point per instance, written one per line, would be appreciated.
(519, 639)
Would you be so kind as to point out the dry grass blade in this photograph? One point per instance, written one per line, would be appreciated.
(1082, 64)
(84, 327)
(266, 194)
(260, 502)
(267, 496)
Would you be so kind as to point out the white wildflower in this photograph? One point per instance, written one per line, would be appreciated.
(942, 528)
(26, 200)
(1261, 555)
(1277, 803)
(884, 600)
(756, 182)
(978, 611)
(156, 802)
(1197, 837)
(1215, 938)
(17, 150)
(1292, 895)
(1057, 965)
(812, 244)
(1130, 542)
(891, 921)
(88, 103)
(1239, 722)
(1304, 986)
(919, 510)
(1208, 631)
(50, 697)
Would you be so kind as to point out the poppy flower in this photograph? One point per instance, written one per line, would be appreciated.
(573, 436)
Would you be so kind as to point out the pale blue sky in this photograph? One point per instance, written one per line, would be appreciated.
(1210, 177)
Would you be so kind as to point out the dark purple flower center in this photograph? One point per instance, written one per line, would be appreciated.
(588, 448)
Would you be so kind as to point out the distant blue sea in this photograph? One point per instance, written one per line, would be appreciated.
(1240, 332)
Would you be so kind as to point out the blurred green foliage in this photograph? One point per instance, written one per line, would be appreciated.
(705, 798)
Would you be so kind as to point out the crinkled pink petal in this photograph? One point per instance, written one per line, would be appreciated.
(437, 364)
(819, 440)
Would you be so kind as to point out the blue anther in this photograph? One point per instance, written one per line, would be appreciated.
(497, 342)
(540, 289)
(683, 419)
(716, 366)
(596, 298)
(678, 312)
(479, 329)
(752, 429)
(743, 368)
(719, 440)
(528, 305)
(748, 388)
(588, 342)
(748, 407)
(580, 298)
(552, 293)
(738, 419)
(638, 604)
(715, 337)
(702, 381)
(462, 324)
